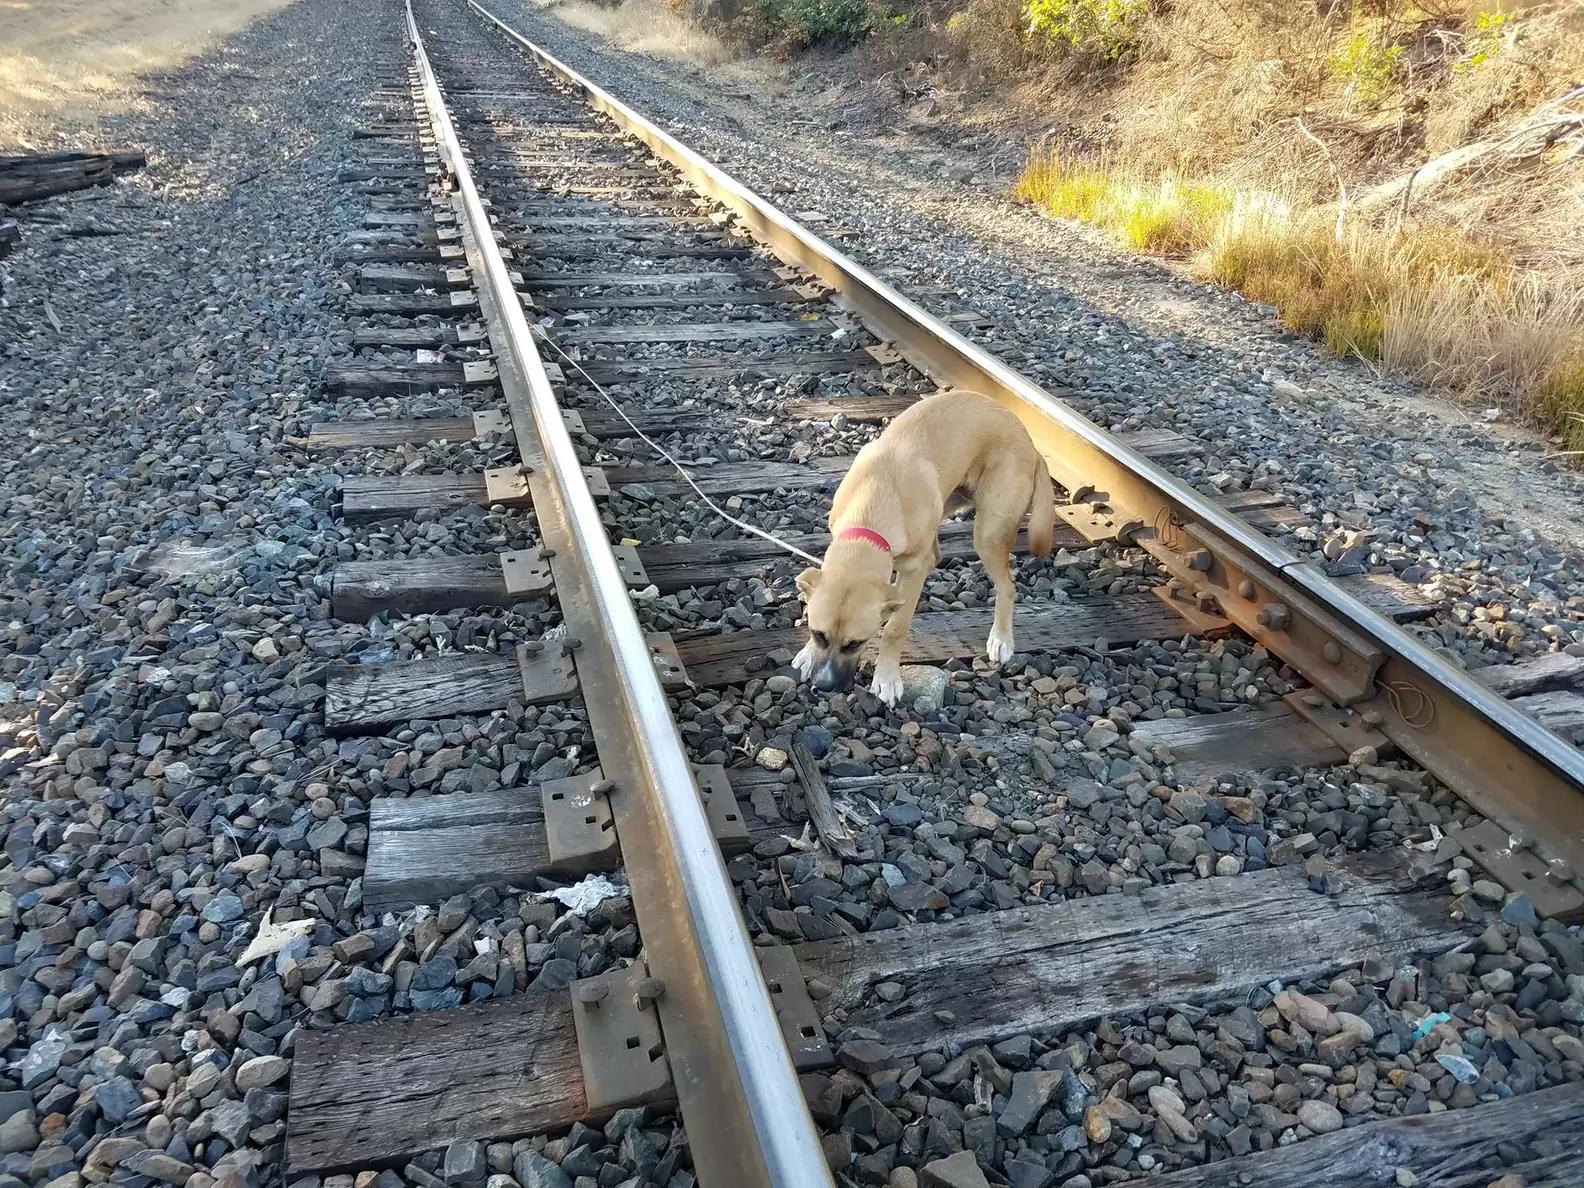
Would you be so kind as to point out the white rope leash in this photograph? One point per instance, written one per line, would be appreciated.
(688, 478)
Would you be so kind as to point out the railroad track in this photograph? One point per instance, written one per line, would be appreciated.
(563, 289)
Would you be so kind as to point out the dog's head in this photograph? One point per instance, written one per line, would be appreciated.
(844, 612)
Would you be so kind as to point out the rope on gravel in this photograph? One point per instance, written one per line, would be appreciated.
(682, 470)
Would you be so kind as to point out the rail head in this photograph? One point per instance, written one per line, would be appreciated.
(1504, 763)
(748, 1123)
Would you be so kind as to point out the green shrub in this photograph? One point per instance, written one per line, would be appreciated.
(813, 22)
(1369, 62)
(1106, 29)
(1493, 32)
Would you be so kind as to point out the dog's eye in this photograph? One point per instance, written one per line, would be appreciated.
(822, 639)
(852, 646)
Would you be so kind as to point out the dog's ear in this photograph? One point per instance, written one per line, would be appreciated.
(808, 581)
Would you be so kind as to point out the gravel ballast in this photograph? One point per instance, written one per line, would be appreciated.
(174, 802)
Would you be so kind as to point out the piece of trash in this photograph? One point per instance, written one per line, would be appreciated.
(272, 937)
(803, 841)
(584, 896)
(1462, 1069)
(1429, 1023)
(1490, 415)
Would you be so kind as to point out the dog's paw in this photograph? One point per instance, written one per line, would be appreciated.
(887, 686)
(804, 661)
(999, 647)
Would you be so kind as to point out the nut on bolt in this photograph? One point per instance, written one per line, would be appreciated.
(1200, 560)
(590, 993)
(648, 991)
(1276, 616)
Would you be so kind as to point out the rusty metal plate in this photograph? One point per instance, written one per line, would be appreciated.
(1200, 620)
(456, 277)
(598, 484)
(469, 333)
(631, 566)
(547, 673)
(525, 572)
(720, 805)
(800, 1022)
(464, 300)
(1347, 728)
(884, 353)
(506, 484)
(573, 420)
(1097, 522)
(579, 827)
(619, 1044)
(1336, 659)
(480, 371)
(450, 251)
(667, 661)
(491, 420)
(1551, 886)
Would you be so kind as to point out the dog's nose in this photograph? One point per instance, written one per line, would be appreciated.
(832, 678)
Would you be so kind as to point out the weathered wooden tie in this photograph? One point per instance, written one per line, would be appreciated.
(510, 1067)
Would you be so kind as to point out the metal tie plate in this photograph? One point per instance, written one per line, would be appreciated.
(720, 805)
(573, 421)
(1554, 890)
(631, 566)
(667, 662)
(800, 1022)
(491, 420)
(598, 484)
(579, 827)
(480, 371)
(619, 1043)
(1348, 729)
(525, 572)
(505, 484)
(1098, 522)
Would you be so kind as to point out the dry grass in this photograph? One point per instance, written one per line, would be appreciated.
(64, 63)
(1435, 305)
(645, 27)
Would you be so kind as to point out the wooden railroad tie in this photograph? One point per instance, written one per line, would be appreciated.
(511, 1067)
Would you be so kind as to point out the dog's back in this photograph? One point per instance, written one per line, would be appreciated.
(952, 443)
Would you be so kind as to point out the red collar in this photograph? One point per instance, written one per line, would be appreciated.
(868, 534)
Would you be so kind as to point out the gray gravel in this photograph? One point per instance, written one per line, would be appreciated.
(167, 630)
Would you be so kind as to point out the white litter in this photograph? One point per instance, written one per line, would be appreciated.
(272, 937)
(584, 896)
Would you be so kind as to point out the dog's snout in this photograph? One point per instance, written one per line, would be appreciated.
(832, 677)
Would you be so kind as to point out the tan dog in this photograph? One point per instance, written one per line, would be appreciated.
(942, 455)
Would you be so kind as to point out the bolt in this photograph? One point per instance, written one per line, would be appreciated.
(1200, 560)
(602, 787)
(1081, 493)
(546, 553)
(1276, 616)
(533, 647)
(1245, 589)
(525, 470)
(1373, 717)
(1313, 700)
(572, 643)
(590, 993)
(1332, 653)
(1207, 602)
(649, 989)
(1175, 588)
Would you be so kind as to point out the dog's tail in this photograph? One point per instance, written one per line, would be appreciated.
(1042, 510)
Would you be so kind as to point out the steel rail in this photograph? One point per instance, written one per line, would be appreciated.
(747, 1122)
(1503, 762)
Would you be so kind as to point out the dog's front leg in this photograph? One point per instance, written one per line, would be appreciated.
(804, 660)
(887, 684)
